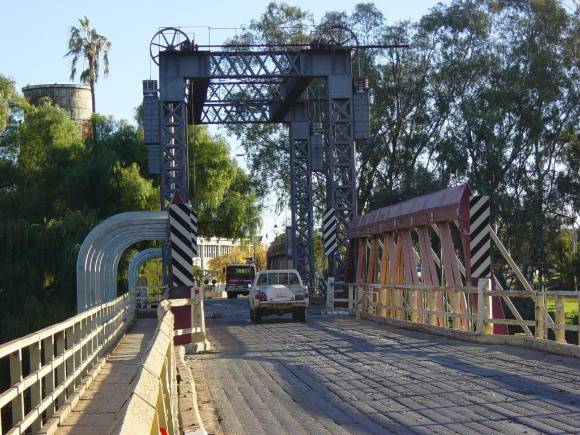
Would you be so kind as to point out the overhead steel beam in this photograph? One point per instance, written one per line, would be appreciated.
(241, 86)
(290, 91)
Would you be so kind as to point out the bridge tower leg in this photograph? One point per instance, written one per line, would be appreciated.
(174, 159)
(340, 166)
(301, 195)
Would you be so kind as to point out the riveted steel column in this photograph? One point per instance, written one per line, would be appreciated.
(174, 162)
(340, 161)
(301, 200)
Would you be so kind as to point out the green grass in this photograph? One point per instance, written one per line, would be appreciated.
(570, 308)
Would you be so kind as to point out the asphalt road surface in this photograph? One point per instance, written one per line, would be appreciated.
(336, 375)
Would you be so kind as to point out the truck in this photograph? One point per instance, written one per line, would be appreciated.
(239, 279)
(278, 292)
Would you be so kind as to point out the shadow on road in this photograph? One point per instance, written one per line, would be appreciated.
(370, 378)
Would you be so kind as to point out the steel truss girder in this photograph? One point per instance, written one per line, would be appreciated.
(242, 92)
(174, 161)
(289, 72)
(235, 113)
(254, 64)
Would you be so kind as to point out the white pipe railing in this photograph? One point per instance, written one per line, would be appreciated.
(46, 367)
(434, 306)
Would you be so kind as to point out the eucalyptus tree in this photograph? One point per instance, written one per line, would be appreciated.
(86, 44)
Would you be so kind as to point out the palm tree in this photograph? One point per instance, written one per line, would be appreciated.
(86, 43)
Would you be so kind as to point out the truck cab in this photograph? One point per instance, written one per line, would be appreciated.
(239, 279)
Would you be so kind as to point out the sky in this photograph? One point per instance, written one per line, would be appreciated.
(34, 34)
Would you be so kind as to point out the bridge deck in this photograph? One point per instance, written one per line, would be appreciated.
(96, 409)
(339, 375)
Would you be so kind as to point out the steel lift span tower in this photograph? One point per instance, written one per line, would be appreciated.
(264, 84)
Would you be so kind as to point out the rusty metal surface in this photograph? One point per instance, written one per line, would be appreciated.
(444, 205)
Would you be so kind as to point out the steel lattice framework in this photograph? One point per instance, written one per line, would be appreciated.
(243, 85)
(341, 173)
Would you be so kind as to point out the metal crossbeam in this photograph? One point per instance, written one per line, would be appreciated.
(236, 92)
(238, 86)
(254, 64)
(235, 113)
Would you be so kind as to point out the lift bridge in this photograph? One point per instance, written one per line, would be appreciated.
(266, 84)
(431, 340)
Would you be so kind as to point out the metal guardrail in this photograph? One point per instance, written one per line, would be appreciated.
(46, 367)
(462, 308)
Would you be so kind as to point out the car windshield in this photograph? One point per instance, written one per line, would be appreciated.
(283, 278)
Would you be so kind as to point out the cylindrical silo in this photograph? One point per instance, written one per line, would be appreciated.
(75, 99)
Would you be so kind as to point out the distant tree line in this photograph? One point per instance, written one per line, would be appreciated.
(486, 93)
(59, 179)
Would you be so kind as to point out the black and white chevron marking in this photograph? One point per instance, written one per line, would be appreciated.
(480, 239)
(329, 231)
(194, 233)
(180, 235)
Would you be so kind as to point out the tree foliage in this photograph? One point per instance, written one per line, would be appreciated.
(56, 184)
(53, 192)
(486, 93)
(226, 197)
(239, 254)
(86, 44)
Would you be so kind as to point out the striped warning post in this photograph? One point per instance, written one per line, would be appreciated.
(329, 231)
(480, 239)
(194, 233)
(180, 224)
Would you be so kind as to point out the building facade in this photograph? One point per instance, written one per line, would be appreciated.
(211, 248)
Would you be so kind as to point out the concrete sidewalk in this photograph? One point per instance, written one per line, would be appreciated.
(95, 411)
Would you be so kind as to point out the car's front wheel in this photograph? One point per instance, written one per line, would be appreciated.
(252, 315)
(257, 316)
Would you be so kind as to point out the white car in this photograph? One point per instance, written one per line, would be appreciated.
(278, 292)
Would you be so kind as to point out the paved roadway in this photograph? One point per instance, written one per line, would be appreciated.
(337, 375)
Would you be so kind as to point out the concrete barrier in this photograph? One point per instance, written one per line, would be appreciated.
(157, 401)
(152, 402)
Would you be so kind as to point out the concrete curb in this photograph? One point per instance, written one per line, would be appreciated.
(189, 416)
(215, 294)
(569, 350)
(200, 346)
